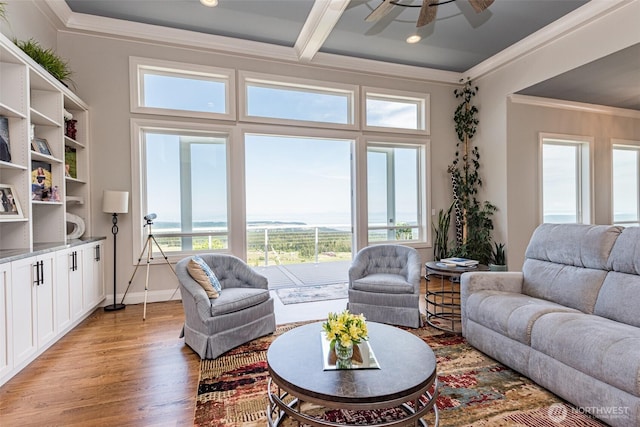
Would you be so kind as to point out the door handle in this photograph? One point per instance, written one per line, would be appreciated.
(37, 267)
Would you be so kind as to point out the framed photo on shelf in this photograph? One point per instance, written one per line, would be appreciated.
(9, 204)
(41, 182)
(41, 146)
(5, 150)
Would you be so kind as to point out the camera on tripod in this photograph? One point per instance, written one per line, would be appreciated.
(149, 218)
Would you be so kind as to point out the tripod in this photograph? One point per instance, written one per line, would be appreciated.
(148, 246)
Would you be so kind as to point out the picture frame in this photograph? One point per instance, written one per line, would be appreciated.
(9, 204)
(5, 148)
(41, 182)
(41, 146)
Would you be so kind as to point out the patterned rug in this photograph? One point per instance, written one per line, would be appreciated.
(474, 390)
(313, 293)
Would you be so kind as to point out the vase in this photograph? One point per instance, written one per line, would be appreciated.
(343, 352)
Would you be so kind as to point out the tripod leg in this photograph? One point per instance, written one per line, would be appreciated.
(146, 244)
(146, 282)
(168, 263)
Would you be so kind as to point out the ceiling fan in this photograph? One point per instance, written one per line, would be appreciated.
(428, 9)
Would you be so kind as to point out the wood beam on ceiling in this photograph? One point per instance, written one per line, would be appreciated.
(323, 17)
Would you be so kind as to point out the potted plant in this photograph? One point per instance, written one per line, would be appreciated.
(473, 218)
(441, 234)
(47, 58)
(498, 258)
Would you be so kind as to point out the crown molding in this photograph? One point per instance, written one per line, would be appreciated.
(567, 24)
(573, 106)
(323, 17)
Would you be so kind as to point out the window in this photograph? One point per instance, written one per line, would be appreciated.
(184, 182)
(394, 192)
(626, 184)
(397, 110)
(170, 88)
(270, 100)
(566, 183)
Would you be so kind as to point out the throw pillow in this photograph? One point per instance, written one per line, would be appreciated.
(202, 273)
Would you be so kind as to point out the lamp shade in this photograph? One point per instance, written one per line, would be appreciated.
(115, 201)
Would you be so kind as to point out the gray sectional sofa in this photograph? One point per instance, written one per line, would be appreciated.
(570, 320)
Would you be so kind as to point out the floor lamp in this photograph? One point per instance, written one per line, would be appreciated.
(115, 202)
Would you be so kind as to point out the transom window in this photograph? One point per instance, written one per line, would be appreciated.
(170, 88)
(626, 183)
(272, 100)
(566, 182)
(396, 110)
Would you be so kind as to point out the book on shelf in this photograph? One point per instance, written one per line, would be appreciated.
(460, 262)
(5, 150)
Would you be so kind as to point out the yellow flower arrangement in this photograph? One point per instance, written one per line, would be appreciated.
(346, 328)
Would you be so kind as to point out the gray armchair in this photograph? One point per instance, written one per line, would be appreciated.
(242, 312)
(384, 285)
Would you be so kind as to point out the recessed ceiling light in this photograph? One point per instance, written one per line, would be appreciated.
(414, 39)
(209, 3)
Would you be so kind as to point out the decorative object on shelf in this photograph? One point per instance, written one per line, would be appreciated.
(41, 181)
(428, 9)
(75, 226)
(41, 145)
(5, 150)
(344, 330)
(70, 128)
(70, 162)
(47, 58)
(9, 204)
(115, 202)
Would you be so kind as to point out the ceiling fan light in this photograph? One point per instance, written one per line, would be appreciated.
(414, 38)
(209, 3)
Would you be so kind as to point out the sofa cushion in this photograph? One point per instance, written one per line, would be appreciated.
(235, 299)
(509, 314)
(604, 349)
(619, 298)
(625, 255)
(383, 283)
(575, 287)
(200, 271)
(579, 245)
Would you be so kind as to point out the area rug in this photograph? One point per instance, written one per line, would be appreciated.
(313, 293)
(475, 390)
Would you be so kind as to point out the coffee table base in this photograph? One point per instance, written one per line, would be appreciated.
(278, 409)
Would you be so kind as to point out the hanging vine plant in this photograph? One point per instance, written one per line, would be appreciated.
(473, 219)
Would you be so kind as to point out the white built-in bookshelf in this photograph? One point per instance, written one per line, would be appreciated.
(35, 105)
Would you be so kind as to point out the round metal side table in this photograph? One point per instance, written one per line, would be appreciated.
(443, 303)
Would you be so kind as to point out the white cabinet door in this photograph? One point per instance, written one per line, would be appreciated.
(68, 288)
(92, 275)
(6, 356)
(44, 300)
(23, 303)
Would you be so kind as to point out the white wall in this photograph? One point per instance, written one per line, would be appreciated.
(27, 21)
(101, 67)
(506, 159)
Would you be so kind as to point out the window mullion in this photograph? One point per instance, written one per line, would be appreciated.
(186, 208)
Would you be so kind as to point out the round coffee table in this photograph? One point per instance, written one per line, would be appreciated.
(406, 374)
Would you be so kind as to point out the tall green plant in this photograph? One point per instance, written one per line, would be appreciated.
(47, 58)
(473, 218)
(3, 11)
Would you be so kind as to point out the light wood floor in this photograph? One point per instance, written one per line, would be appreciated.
(115, 369)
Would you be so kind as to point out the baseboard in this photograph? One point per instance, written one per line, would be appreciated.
(152, 296)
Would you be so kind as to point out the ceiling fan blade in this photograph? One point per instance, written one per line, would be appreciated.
(427, 13)
(480, 5)
(380, 11)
